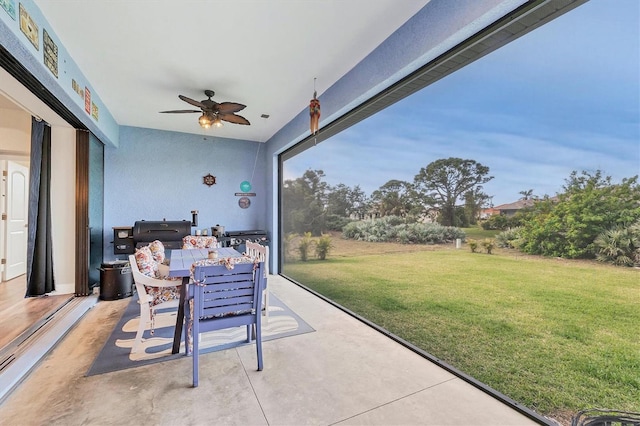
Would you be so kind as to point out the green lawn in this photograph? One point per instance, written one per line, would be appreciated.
(557, 336)
(477, 233)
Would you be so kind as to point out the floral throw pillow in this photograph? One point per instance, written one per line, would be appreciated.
(157, 250)
(146, 263)
(199, 242)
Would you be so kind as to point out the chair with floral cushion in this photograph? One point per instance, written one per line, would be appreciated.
(199, 242)
(155, 290)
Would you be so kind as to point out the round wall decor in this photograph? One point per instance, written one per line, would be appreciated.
(244, 202)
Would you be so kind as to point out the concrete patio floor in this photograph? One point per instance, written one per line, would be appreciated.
(343, 373)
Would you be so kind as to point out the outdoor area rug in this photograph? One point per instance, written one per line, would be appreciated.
(116, 353)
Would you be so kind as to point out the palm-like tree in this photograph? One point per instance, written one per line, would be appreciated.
(619, 245)
(526, 194)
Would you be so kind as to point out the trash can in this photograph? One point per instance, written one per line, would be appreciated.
(116, 280)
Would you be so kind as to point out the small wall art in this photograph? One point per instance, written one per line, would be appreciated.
(50, 51)
(29, 27)
(209, 179)
(10, 7)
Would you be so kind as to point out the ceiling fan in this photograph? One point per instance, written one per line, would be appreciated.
(213, 113)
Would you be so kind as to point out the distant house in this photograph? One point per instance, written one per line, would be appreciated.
(508, 209)
(512, 208)
(488, 212)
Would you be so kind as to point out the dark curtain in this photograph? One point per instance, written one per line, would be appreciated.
(39, 249)
(83, 236)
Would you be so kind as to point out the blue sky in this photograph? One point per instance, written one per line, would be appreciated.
(564, 97)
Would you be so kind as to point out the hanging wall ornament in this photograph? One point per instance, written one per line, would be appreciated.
(314, 110)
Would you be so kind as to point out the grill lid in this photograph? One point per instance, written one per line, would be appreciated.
(164, 230)
(247, 233)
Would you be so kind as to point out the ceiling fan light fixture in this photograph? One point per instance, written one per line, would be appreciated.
(212, 111)
(205, 121)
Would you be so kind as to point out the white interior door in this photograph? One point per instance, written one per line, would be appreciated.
(17, 209)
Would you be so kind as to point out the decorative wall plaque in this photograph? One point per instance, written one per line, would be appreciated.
(209, 180)
(10, 7)
(87, 100)
(29, 28)
(50, 50)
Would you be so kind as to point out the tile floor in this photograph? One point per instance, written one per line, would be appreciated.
(343, 373)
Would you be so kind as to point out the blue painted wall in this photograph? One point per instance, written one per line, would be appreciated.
(156, 175)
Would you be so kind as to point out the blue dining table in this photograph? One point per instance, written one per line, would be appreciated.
(180, 266)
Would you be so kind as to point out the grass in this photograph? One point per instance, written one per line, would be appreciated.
(477, 233)
(557, 336)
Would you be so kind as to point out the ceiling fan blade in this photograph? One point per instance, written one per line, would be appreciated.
(192, 102)
(181, 111)
(234, 118)
(229, 107)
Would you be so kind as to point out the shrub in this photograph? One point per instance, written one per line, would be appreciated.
(397, 229)
(498, 221)
(589, 205)
(304, 245)
(336, 223)
(509, 238)
(473, 245)
(323, 245)
(488, 244)
(287, 243)
(503, 222)
(619, 245)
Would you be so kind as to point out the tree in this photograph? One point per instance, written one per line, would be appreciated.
(343, 204)
(474, 201)
(394, 198)
(589, 205)
(526, 194)
(446, 180)
(338, 200)
(303, 201)
(359, 202)
(344, 201)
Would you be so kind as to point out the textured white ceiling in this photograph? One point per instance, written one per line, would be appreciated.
(139, 55)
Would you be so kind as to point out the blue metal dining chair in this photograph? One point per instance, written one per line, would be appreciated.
(222, 298)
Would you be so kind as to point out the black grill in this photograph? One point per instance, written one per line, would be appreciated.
(170, 233)
(236, 239)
